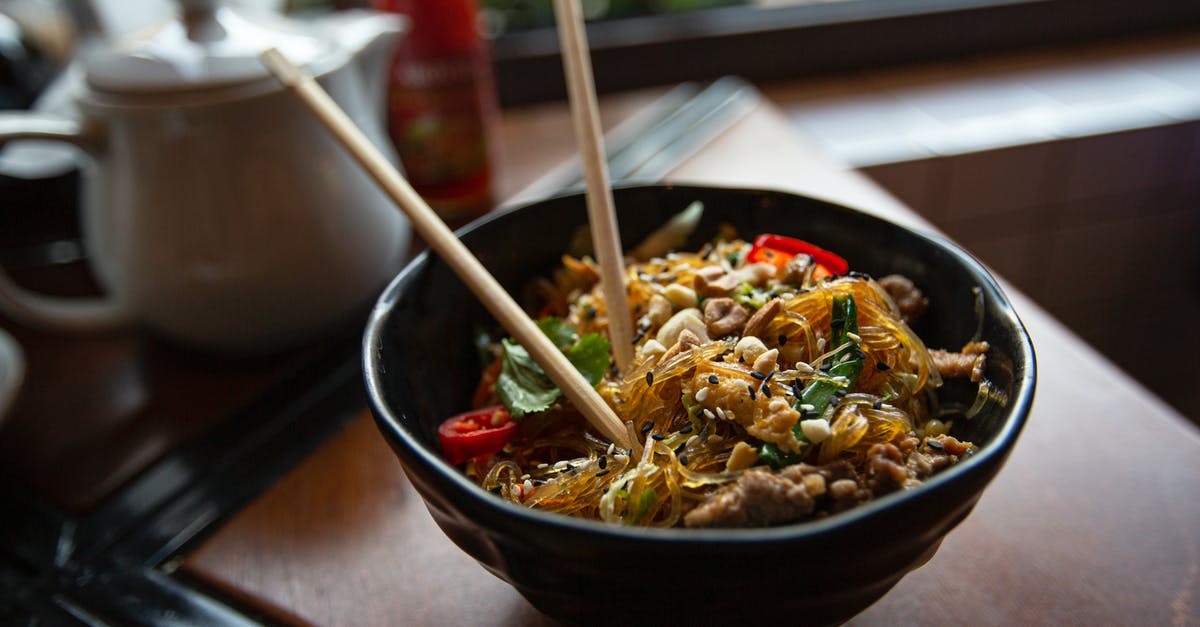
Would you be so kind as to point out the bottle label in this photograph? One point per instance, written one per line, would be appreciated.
(436, 110)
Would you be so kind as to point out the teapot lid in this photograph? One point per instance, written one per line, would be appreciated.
(208, 45)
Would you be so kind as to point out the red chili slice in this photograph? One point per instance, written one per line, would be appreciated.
(474, 433)
(778, 250)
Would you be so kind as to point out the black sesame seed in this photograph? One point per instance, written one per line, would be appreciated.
(858, 275)
(882, 366)
(766, 390)
(859, 354)
(683, 459)
(637, 337)
(837, 323)
(840, 392)
(495, 490)
(679, 449)
(686, 429)
(649, 377)
(769, 375)
(750, 389)
(656, 437)
(782, 339)
(758, 375)
(647, 426)
(712, 378)
(741, 359)
(602, 462)
(825, 367)
(934, 444)
(877, 405)
(601, 473)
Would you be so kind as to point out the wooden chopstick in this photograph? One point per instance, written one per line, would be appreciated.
(606, 239)
(451, 250)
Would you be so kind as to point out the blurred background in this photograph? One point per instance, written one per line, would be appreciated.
(1058, 140)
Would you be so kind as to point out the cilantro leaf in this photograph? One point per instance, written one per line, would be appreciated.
(590, 357)
(523, 386)
(559, 332)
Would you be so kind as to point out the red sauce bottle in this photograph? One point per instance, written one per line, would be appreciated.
(441, 103)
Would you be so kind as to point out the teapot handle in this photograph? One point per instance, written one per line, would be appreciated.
(39, 310)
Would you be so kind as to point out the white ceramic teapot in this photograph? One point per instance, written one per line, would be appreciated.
(215, 209)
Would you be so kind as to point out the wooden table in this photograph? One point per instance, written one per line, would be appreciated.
(1094, 520)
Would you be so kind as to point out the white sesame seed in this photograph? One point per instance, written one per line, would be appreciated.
(854, 336)
(807, 407)
(804, 368)
(541, 466)
(708, 414)
(561, 464)
(528, 487)
(692, 441)
(721, 414)
(821, 345)
(701, 394)
(620, 458)
(524, 477)
(611, 447)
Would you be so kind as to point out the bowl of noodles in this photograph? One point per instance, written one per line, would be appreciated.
(816, 397)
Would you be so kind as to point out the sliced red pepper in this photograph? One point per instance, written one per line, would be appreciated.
(779, 250)
(474, 433)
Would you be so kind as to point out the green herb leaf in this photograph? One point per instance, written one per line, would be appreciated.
(523, 386)
(590, 357)
(749, 296)
(559, 332)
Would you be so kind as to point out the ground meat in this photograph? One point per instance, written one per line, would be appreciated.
(908, 298)
(886, 471)
(970, 362)
(799, 492)
(761, 497)
(934, 454)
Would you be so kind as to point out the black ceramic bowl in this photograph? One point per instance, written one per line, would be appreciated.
(421, 368)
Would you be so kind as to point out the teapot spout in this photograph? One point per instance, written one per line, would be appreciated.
(371, 36)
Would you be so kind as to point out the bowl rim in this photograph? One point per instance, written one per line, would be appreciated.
(994, 453)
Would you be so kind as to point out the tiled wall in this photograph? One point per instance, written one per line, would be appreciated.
(1103, 231)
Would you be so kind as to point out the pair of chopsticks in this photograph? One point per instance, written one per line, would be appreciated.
(605, 237)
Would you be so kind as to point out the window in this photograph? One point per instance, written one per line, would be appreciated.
(764, 40)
